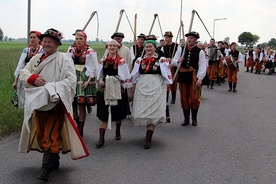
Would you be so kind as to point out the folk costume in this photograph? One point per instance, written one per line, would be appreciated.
(137, 50)
(25, 57)
(123, 51)
(86, 65)
(213, 54)
(150, 76)
(48, 125)
(112, 99)
(236, 58)
(270, 62)
(193, 67)
(258, 59)
(249, 60)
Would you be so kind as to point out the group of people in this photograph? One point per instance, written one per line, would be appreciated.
(222, 62)
(59, 86)
(260, 60)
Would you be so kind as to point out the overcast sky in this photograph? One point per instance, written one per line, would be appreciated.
(252, 16)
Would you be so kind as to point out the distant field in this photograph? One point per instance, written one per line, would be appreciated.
(10, 116)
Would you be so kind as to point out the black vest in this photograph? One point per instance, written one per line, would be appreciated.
(191, 58)
(168, 50)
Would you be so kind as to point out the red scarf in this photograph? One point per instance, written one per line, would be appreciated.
(148, 62)
(82, 52)
(31, 53)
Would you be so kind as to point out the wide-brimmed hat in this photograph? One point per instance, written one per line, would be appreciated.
(168, 33)
(53, 33)
(141, 35)
(118, 34)
(193, 33)
(151, 37)
(77, 30)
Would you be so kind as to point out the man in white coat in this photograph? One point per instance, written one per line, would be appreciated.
(50, 82)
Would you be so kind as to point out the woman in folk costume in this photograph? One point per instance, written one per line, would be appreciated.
(49, 80)
(26, 55)
(86, 65)
(151, 74)
(270, 62)
(112, 98)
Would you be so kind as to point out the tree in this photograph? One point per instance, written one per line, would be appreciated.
(272, 42)
(247, 38)
(1, 35)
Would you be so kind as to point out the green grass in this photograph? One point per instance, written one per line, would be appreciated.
(11, 117)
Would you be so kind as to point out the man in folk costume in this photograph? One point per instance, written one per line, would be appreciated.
(212, 54)
(249, 59)
(191, 73)
(221, 71)
(258, 58)
(50, 81)
(137, 50)
(236, 58)
(169, 50)
(123, 51)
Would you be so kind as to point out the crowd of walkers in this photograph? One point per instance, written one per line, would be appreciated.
(57, 89)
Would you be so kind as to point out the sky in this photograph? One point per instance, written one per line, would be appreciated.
(66, 16)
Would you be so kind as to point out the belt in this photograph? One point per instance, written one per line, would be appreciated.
(191, 69)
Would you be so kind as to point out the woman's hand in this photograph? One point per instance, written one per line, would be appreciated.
(101, 83)
(85, 84)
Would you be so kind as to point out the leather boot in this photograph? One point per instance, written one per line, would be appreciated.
(168, 119)
(101, 138)
(212, 84)
(230, 86)
(80, 128)
(234, 87)
(173, 97)
(48, 165)
(186, 117)
(194, 117)
(148, 139)
(118, 131)
(219, 81)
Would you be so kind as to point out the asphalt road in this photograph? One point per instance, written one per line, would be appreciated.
(234, 142)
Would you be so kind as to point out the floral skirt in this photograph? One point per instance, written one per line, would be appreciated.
(85, 96)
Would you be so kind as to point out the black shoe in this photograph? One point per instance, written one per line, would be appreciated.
(147, 146)
(185, 123)
(100, 144)
(229, 89)
(117, 138)
(44, 175)
(173, 101)
(194, 123)
(234, 90)
(168, 119)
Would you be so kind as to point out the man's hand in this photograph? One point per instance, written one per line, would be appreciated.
(39, 81)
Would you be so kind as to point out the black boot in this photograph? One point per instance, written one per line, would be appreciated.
(251, 70)
(148, 139)
(187, 117)
(101, 139)
(80, 128)
(247, 70)
(234, 87)
(168, 119)
(173, 97)
(212, 84)
(219, 81)
(118, 131)
(48, 165)
(230, 86)
(194, 117)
